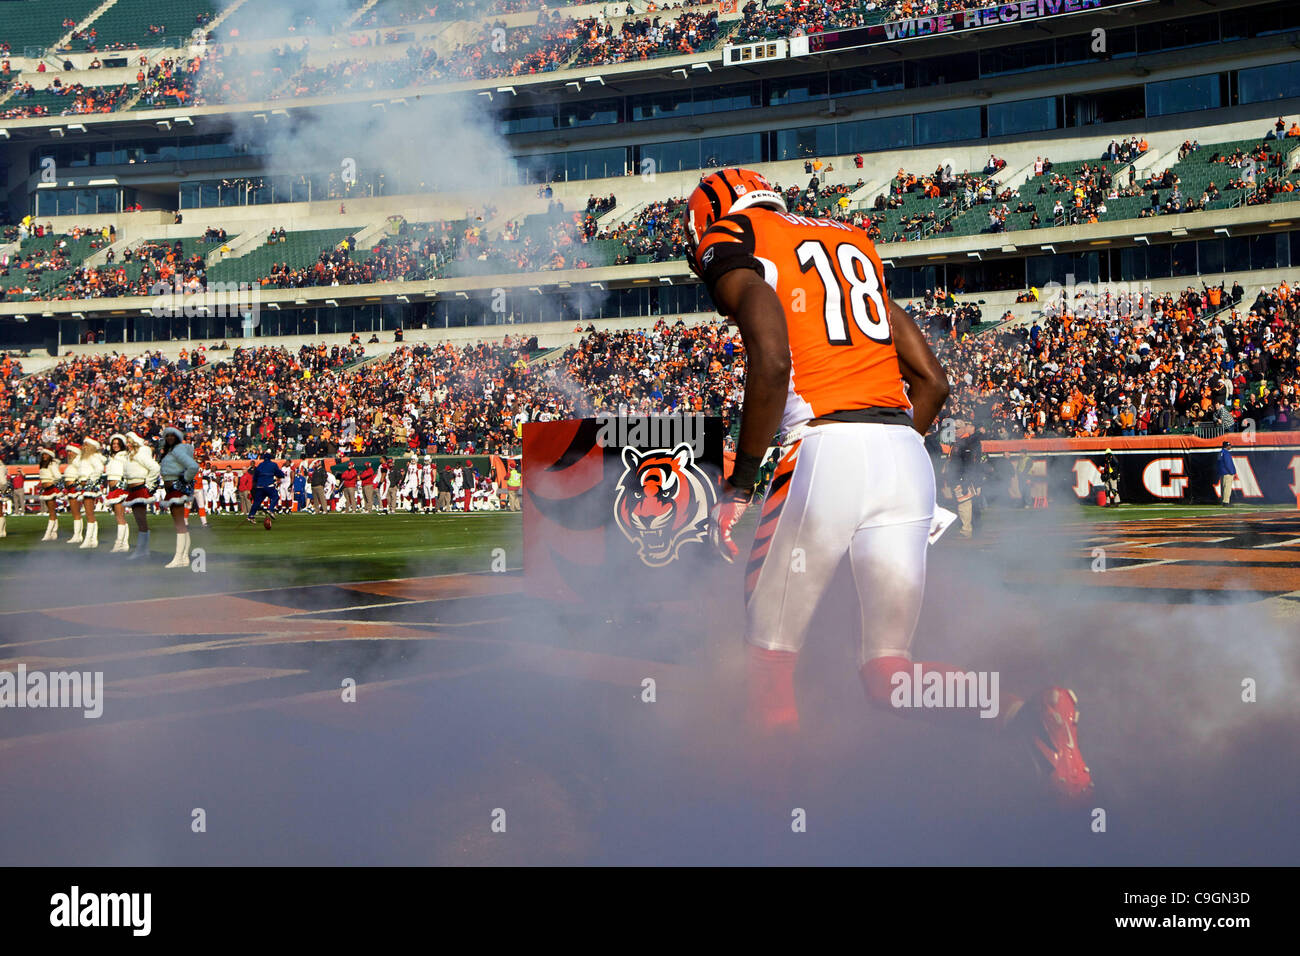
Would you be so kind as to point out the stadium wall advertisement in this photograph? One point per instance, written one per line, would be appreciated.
(995, 15)
(604, 504)
(1170, 469)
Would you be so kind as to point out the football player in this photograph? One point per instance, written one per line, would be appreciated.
(847, 378)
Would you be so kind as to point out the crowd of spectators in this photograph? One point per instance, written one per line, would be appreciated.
(646, 37)
(1132, 364)
(320, 402)
(800, 18)
(1115, 364)
(73, 99)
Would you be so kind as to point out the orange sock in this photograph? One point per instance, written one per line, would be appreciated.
(771, 689)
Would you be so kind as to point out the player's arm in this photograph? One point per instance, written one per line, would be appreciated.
(927, 384)
(756, 309)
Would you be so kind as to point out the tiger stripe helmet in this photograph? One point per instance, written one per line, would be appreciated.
(725, 192)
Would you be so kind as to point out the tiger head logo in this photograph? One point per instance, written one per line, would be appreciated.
(663, 501)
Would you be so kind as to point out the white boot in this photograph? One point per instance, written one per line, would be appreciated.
(51, 530)
(122, 542)
(92, 535)
(182, 557)
(4, 533)
(77, 524)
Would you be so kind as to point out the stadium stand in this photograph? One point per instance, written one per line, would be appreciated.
(133, 24)
(38, 24)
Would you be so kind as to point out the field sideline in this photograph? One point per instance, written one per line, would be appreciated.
(300, 550)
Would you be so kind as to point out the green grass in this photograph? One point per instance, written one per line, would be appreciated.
(1148, 512)
(299, 550)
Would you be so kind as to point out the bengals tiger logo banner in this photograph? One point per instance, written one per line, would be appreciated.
(603, 505)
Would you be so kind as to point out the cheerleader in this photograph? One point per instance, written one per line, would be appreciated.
(178, 469)
(50, 477)
(115, 497)
(141, 474)
(71, 487)
(92, 486)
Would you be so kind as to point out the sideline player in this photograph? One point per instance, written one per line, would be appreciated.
(851, 384)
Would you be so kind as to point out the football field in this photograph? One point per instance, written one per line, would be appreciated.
(386, 689)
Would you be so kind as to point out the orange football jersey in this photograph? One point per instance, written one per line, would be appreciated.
(832, 288)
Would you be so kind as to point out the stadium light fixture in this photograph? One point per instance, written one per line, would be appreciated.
(462, 295)
(165, 125)
(1142, 239)
(1009, 247)
(299, 301)
(1048, 248)
(402, 298)
(507, 89)
(533, 288)
(178, 120)
(4, 133)
(685, 75)
(1178, 233)
(333, 302)
(598, 285)
(280, 112)
(594, 79)
(23, 318)
(399, 101)
(974, 255)
(56, 131)
(146, 312)
(76, 127)
(702, 66)
(1222, 231)
(78, 315)
(379, 106)
(887, 262)
(487, 93)
(666, 280)
(257, 116)
(273, 305)
(575, 84)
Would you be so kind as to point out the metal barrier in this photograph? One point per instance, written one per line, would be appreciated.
(1208, 429)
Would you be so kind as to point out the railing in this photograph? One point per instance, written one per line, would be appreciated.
(1208, 429)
